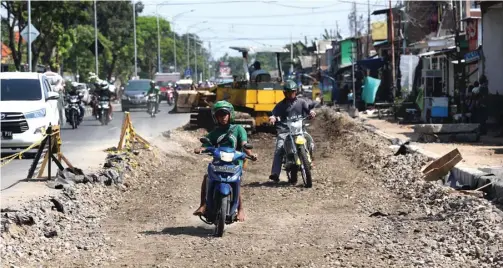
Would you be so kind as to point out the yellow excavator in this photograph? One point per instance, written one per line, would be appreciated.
(253, 98)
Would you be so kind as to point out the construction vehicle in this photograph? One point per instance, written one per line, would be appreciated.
(253, 97)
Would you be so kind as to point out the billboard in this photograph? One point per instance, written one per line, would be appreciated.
(224, 70)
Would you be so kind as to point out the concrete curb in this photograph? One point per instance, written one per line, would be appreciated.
(472, 177)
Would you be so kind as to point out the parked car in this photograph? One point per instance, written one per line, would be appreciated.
(27, 106)
(134, 95)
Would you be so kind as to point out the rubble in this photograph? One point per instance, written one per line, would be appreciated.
(368, 208)
(47, 226)
(460, 230)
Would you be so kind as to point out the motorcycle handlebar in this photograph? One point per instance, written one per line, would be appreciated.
(252, 158)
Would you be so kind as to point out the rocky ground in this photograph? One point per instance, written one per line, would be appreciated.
(367, 208)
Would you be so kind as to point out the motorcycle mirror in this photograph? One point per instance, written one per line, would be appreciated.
(205, 140)
(248, 146)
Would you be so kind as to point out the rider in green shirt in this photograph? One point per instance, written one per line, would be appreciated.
(155, 90)
(223, 115)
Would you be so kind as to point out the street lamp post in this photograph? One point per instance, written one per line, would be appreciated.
(188, 41)
(158, 45)
(96, 38)
(29, 37)
(174, 35)
(135, 50)
(159, 63)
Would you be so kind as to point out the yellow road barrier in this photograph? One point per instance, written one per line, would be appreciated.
(50, 146)
(129, 136)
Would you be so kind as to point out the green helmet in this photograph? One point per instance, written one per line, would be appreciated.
(222, 105)
(290, 86)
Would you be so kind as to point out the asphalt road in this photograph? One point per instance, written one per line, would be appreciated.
(84, 146)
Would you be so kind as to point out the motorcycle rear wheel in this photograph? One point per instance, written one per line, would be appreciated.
(222, 216)
(305, 167)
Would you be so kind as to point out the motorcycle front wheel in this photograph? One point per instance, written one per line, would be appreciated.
(102, 117)
(74, 120)
(221, 217)
(305, 167)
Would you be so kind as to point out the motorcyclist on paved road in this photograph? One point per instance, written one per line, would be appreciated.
(289, 107)
(73, 92)
(102, 90)
(155, 90)
(225, 134)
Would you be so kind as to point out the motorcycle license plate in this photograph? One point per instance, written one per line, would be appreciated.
(226, 169)
(6, 135)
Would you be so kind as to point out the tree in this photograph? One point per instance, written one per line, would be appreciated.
(14, 19)
(115, 22)
(52, 20)
(356, 22)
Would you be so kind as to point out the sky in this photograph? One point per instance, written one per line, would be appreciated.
(227, 23)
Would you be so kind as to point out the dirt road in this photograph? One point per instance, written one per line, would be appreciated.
(367, 208)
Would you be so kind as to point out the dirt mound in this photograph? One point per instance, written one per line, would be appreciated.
(448, 229)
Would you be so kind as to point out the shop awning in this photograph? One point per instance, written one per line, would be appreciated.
(343, 69)
(438, 52)
(380, 43)
(371, 63)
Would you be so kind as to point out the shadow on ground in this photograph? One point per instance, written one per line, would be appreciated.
(182, 230)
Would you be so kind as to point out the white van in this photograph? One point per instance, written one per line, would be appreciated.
(27, 106)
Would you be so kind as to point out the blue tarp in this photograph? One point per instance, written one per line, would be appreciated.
(370, 89)
(371, 63)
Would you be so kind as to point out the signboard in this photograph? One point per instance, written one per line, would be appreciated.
(33, 32)
(472, 56)
(188, 72)
(471, 29)
(224, 69)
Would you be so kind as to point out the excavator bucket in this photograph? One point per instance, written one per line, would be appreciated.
(185, 100)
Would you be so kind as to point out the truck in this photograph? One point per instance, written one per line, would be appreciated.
(163, 79)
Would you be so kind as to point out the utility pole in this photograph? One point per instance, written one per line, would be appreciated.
(353, 55)
(392, 50)
(368, 28)
(291, 54)
(96, 39)
(135, 49)
(29, 37)
(158, 45)
(174, 46)
(195, 58)
(188, 49)
(460, 70)
(337, 29)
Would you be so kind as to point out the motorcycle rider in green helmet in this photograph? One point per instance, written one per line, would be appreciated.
(225, 134)
(155, 90)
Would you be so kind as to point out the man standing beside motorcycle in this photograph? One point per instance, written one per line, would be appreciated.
(73, 92)
(154, 90)
(102, 90)
(225, 134)
(289, 107)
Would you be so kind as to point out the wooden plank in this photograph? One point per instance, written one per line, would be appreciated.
(442, 166)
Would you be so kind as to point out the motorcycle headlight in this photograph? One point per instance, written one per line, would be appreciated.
(226, 157)
(35, 114)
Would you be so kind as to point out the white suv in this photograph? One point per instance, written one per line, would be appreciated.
(27, 106)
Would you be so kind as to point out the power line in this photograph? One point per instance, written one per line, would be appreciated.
(260, 24)
(271, 15)
(300, 7)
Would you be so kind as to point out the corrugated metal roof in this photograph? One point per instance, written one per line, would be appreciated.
(307, 61)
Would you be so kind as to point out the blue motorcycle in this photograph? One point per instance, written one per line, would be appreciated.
(223, 186)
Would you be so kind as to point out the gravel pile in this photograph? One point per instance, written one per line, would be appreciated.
(434, 226)
(50, 226)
